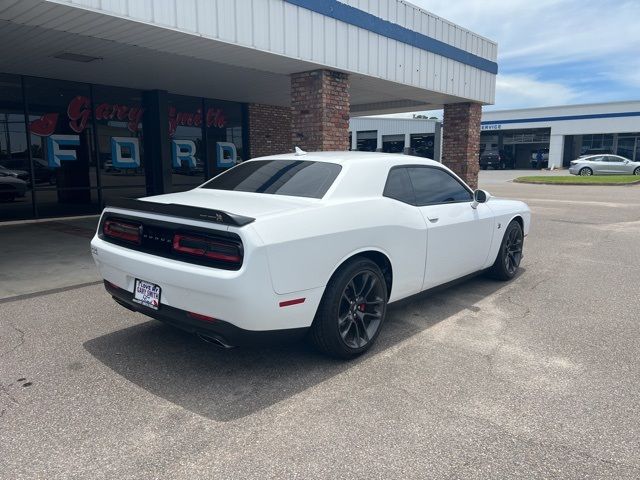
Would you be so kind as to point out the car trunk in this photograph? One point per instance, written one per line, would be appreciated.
(254, 205)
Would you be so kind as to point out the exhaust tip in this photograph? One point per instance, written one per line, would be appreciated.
(215, 340)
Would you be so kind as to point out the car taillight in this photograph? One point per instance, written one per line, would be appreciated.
(217, 250)
(129, 232)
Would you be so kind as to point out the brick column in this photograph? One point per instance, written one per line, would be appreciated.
(461, 140)
(320, 110)
(269, 130)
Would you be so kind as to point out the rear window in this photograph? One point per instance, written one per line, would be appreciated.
(278, 177)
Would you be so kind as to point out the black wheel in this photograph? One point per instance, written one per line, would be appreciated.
(636, 171)
(585, 172)
(352, 310)
(510, 254)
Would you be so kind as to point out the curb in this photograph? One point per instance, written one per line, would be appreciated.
(598, 184)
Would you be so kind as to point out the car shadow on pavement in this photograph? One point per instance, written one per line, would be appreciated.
(225, 385)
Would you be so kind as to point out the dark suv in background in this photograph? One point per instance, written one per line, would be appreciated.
(497, 159)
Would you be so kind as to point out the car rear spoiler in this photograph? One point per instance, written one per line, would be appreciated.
(183, 211)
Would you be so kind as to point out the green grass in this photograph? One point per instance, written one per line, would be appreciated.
(578, 180)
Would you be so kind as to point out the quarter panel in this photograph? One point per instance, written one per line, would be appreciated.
(305, 249)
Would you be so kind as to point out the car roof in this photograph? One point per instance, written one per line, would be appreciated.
(584, 157)
(344, 157)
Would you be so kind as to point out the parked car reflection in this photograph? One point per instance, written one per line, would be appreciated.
(42, 172)
(11, 187)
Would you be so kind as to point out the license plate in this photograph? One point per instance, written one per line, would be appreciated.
(147, 294)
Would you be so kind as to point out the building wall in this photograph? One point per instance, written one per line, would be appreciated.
(269, 130)
(404, 127)
(393, 126)
(461, 140)
(320, 110)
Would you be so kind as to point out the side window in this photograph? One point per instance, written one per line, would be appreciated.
(398, 186)
(596, 159)
(434, 185)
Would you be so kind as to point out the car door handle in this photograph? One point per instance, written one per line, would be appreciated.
(433, 219)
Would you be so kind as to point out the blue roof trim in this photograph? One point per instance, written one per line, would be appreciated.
(360, 18)
(558, 119)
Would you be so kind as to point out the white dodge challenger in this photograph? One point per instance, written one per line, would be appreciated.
(315, 243)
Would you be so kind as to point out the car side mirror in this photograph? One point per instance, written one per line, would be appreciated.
(479, 196)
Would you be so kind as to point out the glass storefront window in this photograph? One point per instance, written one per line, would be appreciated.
(118, 117)
(82, 145)
(15, 169)
(185, 142)
(62, 146)
(597, 141)
(626, 147)
(223, 123)
(629, 146)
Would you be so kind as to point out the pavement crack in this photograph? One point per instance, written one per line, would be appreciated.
(21, 337)
(4, 391)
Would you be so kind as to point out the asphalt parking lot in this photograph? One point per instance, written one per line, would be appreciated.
(537, 378)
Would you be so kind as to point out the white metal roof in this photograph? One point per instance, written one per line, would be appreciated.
(244, 50)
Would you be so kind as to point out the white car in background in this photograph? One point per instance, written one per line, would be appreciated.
(604, 165)
(314, 243)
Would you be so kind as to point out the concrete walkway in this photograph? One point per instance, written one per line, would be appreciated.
(43, 256)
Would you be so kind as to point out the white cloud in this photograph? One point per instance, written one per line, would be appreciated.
(547, 31)
(521, 91)
(595, 38)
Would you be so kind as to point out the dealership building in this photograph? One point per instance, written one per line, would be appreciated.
(565, 132)
(560, 133)
(102, 99)
(421, 137)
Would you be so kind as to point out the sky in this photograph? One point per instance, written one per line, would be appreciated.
(555, 52)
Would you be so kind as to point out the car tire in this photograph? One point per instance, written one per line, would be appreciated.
(585, 172)
(510, 253)
(352, 310)
(636, 171)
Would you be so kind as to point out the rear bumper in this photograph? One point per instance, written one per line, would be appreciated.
(243, 298)
(223, 332)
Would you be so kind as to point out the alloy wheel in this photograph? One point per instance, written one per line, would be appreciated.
(361, 309)
(585, 172)
(513, 250)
